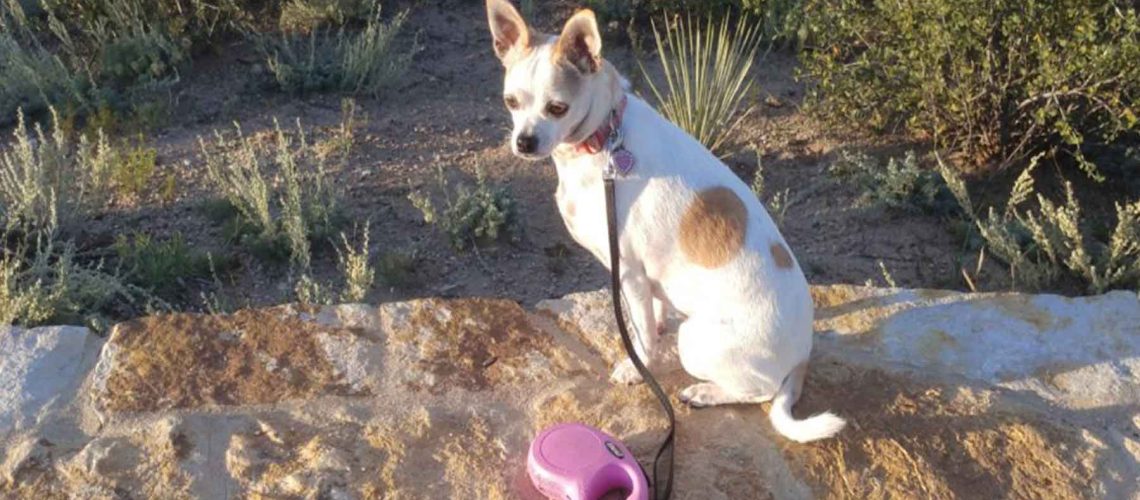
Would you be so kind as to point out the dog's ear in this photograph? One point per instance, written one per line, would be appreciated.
(580, 44)
(508, 30)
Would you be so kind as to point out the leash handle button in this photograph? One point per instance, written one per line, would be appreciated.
(614, 450)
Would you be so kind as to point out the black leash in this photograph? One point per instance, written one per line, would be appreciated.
(662, 490)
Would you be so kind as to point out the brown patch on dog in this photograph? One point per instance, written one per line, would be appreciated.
(571, 209)
(712, 229)
(781, 256)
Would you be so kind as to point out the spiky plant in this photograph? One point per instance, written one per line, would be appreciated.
(706, 70)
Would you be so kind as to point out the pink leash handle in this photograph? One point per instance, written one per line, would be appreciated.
(579, 462)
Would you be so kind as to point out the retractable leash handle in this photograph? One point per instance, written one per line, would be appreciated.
(662, 489)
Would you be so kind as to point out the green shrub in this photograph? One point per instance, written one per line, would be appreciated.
(31, 78)
(397, 268)
(479, 216)
(133, 168)
(365, 62)
(1054, 242)
(706, 72)
(778, 20)
(274, 219)
(161, 267)
(41, 281)
(996, 81)
(607, 10)
(343, 137)
(105, 51)
(901, 184)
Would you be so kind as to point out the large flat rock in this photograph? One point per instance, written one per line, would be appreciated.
(40, 369)
(1078, 352)
(948, 395)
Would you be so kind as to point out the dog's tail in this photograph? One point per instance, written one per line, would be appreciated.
(821, 426)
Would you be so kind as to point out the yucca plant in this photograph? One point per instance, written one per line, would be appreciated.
(706, 70)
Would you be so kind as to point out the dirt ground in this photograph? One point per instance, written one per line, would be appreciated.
(448, 113)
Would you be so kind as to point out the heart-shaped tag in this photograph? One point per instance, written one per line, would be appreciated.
(623, 161)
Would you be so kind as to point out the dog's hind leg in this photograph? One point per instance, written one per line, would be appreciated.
(706, 358)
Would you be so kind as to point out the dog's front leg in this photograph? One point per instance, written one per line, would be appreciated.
(639, 302)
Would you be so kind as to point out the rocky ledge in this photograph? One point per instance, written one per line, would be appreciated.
(947, 394)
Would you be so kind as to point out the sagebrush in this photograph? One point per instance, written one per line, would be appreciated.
(356, 269)
(900, 184)
(48, 180)
(358, 62)
(1053, 241)
(78, 55)
(32, 78)
(304, 16)
(471, 216)
(133, 168)
(279, 216)
(42, 280)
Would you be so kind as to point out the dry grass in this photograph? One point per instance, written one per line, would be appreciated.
(356, 268)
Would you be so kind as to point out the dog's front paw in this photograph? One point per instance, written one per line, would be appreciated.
(625, 373)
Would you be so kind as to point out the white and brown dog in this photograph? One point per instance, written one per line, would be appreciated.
(693, 237)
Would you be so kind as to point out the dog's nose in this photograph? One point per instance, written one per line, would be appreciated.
(526, 143)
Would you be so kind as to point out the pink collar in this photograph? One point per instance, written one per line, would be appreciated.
(596, 142)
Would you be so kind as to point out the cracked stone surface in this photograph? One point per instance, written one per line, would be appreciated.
(947, 394)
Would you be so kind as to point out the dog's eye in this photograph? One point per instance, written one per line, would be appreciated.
(556, 109)
(511, 101)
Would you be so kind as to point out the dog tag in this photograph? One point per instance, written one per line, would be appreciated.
(622, 161)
